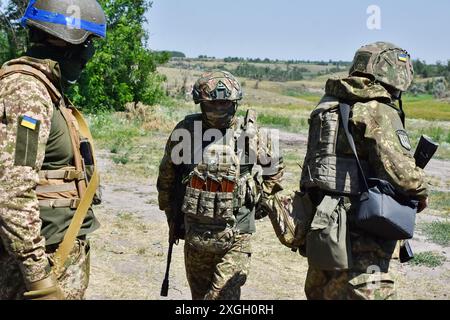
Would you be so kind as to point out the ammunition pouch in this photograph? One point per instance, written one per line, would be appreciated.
(328, 241)
(190, 203)
(208, 207)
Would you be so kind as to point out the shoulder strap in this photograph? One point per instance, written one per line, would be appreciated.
(344, 110)
(71, 234)
(28, 70)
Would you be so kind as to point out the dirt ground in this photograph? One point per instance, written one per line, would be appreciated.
(129, 251)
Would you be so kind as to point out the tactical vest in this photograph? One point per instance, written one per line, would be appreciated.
(216, 188)
(329, 164)
(72, 187)
(65, 187)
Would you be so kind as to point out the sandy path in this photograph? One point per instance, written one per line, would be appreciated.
(129, 251)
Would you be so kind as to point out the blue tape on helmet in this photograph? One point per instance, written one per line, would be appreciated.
(33, 13)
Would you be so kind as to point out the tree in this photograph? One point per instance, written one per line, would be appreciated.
(13, 38)
(123, 70)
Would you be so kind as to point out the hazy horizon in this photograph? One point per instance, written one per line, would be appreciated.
(322, 30)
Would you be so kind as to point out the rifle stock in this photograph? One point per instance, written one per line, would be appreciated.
(425, 151)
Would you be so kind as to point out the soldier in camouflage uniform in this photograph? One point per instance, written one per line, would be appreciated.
(380, 73)
(214, 186)
(38, 182)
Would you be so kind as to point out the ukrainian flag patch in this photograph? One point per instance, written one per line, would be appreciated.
(29, 123)
(403, 57)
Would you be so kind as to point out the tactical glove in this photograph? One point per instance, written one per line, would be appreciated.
(46, 289)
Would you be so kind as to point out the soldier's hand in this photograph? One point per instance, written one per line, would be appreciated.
(423, 204)
(45, 289)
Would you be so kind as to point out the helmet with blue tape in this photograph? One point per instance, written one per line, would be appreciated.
(70, 20)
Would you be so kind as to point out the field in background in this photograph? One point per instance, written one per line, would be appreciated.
(131, 246)
(287, 105)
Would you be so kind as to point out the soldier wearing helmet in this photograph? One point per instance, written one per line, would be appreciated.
(44, 177)
(211, 197)
(358, 267)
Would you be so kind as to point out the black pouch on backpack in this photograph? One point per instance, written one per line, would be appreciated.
(381, 211)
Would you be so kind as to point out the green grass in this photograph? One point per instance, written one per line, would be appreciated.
(291, 118)
(428, 259)
(436, 133)
(311, 97)
(428, 109)
(123, 158)
(438, 232)
(274, 120)
(440, 201)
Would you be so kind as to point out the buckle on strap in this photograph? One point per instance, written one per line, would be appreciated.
(71, 175)
(60, 203)
(67, 175)
(74, 203)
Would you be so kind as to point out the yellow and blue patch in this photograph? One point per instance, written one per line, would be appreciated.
(29, 123)
(403, 57)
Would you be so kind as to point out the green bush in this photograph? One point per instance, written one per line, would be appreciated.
(123, 69)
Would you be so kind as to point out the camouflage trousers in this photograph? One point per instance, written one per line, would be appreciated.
(370, 277)
(217, 275)
(73, 280)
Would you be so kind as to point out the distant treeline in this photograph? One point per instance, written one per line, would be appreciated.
(267, 60)
(175, 54)
(251, 71)
(438, 76)
(432, 70)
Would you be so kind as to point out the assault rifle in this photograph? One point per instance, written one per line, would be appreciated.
(424, 153)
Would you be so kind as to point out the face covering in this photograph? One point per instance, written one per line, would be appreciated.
(218, 114)
(71, 59)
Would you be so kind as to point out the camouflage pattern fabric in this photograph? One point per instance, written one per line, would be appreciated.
(217, 85)
(219, 274)
(370, 278)
(169, 173)
(20, 226)
(73, 281)
(380, 138)
(386, 63)
(21, 158)
(215, 276)
(377, 130)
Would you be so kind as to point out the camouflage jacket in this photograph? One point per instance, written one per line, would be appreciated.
(170, 181)
(380, 137)
(26, 102)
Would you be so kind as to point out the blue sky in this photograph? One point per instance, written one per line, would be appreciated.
(289, 29)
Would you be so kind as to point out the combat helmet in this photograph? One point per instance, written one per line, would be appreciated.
(70, 20)
(217, 85)
(386, 63)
